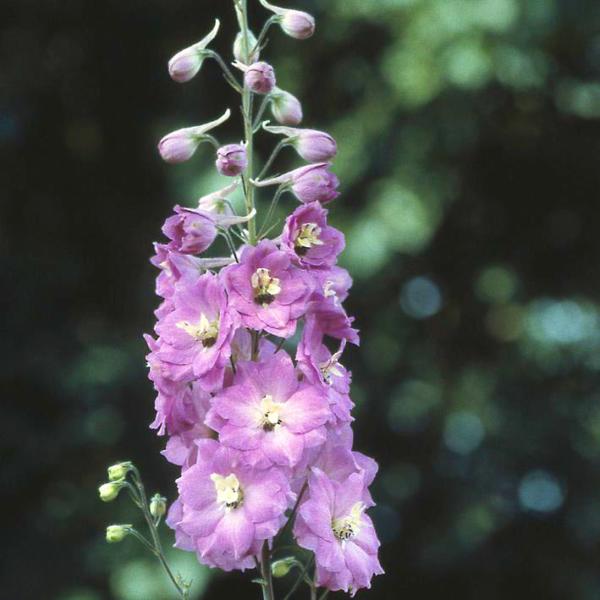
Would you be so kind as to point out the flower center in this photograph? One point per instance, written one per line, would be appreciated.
(265, 287)
(204, 331)
(307, 237)
(270, 412)
(229, 491)
(331, 367)
(348, 527)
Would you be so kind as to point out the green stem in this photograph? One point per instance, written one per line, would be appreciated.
(265, 567)
(248, 125)
(260, 113)
(155, 537)
(274, 202)
(229, 76)
(280, 146)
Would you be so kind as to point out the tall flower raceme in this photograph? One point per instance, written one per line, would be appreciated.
(261, 432)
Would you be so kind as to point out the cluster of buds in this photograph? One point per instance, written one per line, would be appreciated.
(260, 430)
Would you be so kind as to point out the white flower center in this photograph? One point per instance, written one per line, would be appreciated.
(270, 413)
(348, 527)
(229, 491)
(265, 287)
(331, 367)
(204, 331)
(307, 237)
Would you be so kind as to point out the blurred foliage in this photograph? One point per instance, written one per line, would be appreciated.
(469, 138)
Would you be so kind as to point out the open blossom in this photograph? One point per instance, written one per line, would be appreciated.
(267, 291)
(227, 509)
(332, 522)
(253, 431)
(269, 414)
(190, 231)
(309, 240)
(196, 335)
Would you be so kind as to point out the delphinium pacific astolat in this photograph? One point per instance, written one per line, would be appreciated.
(262, 435)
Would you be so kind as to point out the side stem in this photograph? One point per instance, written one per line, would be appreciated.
(265, 568)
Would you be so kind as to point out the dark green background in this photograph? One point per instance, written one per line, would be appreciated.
(469, 157)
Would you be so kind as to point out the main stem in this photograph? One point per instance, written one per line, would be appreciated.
(248, 122)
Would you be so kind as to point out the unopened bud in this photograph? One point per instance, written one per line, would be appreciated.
(158, 505)
(312, 145)
(109, 491)
(259, 77)
(119, 471)
(231, 160)
(179, 146)
(295, 23)
(285, 107)
(239, 51)
(116, 533)
(186, 63)
(280, 568)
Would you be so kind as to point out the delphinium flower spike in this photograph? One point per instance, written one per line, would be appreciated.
(260, 431)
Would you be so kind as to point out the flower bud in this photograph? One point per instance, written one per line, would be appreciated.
(158, 505)
(239, 50)
(313, 183)
(119, 471)
(295, 23)
(259, 77)
(179, 146)
(231, 160)
(280, 568)
(286, 108)
(109, 491)
(315, 146)
(312, 145)
(190, 231)
(116, 533)
(186, 63)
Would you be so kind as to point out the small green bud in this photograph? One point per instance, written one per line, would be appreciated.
(109, 491)
(119, 471)
(116, 533)
(158, 506)
(280, 568)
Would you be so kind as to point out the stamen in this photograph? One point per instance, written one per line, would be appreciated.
(205, 331)
(306, 238)
(265, 287)
(348, 527)
(229, 491)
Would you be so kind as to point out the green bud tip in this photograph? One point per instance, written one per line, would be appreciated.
(116, 533)
(280, 568)
(119, 471)
(158, 505)
(109, 491)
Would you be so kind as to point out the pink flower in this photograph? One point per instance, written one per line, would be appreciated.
(331, 522)
(227, 509)
(190, 231)
(268, 414)
(309, 240)
(189, 409)
(267, 291)
(259, 77)
(231, 160)
(196, 335)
